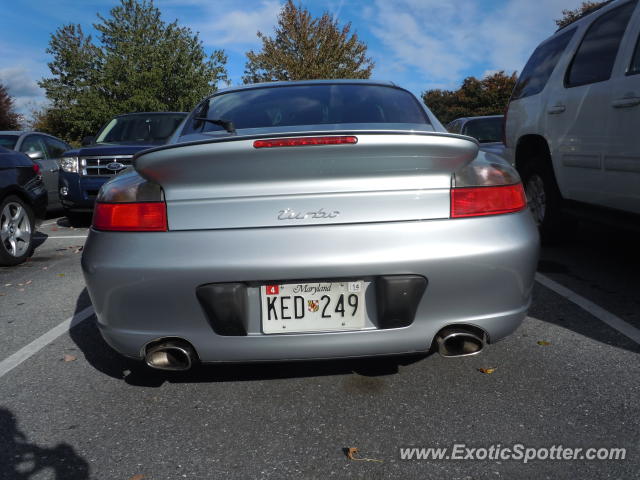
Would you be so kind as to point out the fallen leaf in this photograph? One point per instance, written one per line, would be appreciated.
(488, 371)
(45, 268)
(69, 358)
(54, 229)
(8, 284)
(78, 250)
(544, 343)
(351, 453)
(28, 282)
(61, 274)
(137, 477)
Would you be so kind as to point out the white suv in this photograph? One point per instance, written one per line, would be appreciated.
(572, 126)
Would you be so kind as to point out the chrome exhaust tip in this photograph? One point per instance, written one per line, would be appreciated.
(460, 341)
(172, 354)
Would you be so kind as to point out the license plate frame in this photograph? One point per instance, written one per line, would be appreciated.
(294, 300)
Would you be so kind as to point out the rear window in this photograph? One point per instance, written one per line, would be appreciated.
(593, 62)
(311, 105)
(8, 141)
(485, 130)
(540, 66)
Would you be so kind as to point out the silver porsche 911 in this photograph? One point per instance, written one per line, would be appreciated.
(309, 220)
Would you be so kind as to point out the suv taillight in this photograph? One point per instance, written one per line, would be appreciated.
(479, 201)
(131, 217)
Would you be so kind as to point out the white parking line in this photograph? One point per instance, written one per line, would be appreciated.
(39, 343)
(597, 311)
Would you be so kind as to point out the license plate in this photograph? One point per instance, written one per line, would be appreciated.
(312, 307)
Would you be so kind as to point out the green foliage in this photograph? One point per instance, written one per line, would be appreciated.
(488, 96)
(304, 48)
(9, 119)
(570, 16)
(140, 63)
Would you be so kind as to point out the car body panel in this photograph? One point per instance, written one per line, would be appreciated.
(17, 177)
(384, 177)
(138, 298)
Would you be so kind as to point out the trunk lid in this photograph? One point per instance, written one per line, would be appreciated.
(386, 176)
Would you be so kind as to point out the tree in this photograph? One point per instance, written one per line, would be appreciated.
(488, 96)
(570, 16)
(304, 48)
(9, 119)
(140, 63)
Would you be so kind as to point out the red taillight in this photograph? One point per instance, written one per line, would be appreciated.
(36, 168)
(302, 141)
(477, 201)
(131, 217)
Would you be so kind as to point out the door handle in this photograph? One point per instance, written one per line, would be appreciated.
(556, 109)
(625, 102)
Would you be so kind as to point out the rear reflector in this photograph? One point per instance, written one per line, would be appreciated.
(131, 217)
(303, 141)
(478, 201)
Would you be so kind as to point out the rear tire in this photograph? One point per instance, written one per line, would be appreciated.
(17, 226)
(544, 198)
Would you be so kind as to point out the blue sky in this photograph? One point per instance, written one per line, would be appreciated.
(419, 44)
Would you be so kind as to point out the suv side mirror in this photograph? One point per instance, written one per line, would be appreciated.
(88, 140)
(36, 155)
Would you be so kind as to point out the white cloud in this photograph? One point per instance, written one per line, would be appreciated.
(24, 90)
(441, 41)
(237, 28)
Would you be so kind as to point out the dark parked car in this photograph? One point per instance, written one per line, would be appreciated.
(43, 149)
(486, 129)
(85, 169)
(23, 200)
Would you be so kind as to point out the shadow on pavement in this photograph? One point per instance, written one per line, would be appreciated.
(21, 460)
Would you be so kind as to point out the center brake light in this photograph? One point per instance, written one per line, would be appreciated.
(304, 141)
(131, 217)
(479, 201)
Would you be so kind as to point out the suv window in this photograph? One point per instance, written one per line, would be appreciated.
(152, 128)
(454, 127)
(33, 143)
(593, 62)
(9, 141)
(634, 68)
(55, 147)
(540, 66)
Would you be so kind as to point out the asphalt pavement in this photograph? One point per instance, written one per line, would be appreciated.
(72, 409)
